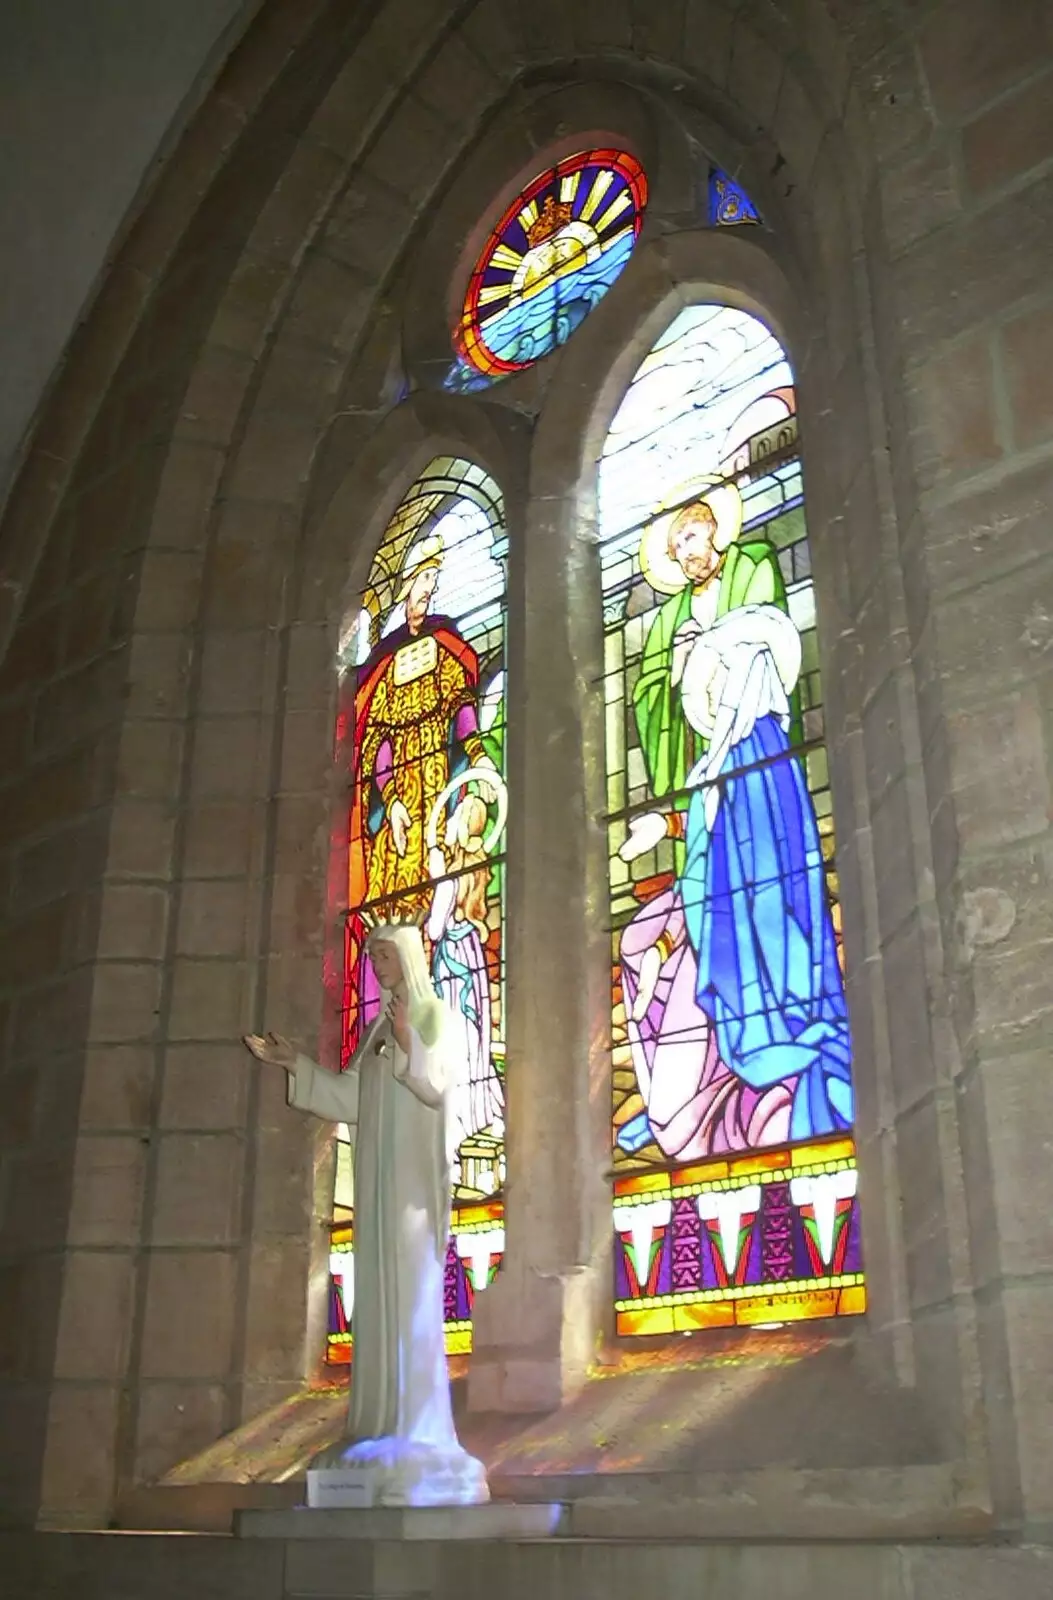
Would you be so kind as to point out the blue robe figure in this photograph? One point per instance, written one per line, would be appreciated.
(754, 885)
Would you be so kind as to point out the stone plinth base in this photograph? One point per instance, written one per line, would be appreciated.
(498, 1520)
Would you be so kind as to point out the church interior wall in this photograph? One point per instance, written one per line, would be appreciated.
(227, 441)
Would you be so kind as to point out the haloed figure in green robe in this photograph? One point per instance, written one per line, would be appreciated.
(696, 1106)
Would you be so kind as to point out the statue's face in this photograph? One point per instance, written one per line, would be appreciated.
(386, 964)
(419, 597)
(691, 542)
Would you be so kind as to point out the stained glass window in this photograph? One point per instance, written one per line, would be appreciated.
(735, 1173)
(423, 726)
(555, 252)
(729, 204)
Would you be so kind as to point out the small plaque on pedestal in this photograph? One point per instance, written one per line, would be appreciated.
(341, 1488)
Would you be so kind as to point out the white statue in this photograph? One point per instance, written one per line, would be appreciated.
(401, 1441)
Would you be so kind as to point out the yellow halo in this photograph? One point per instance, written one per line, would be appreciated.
(665, 575)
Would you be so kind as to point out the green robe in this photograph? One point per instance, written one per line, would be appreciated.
(750, 575)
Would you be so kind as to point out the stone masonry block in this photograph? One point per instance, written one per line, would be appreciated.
(252, 297)
(1011, 137)
(214, 397)
(247, 575)
(997, 636)
(189, 1314)
(227, 753)
(904, 973)
(95, 1319)
(185, 496)
(212, 918)
(284, 1179)
(117, 1087)
(291, 214)
(1001, 782)
(307, 739)
(988, 534)
(952, 402)
(198, 1198)
(274, 460)
(132, 921)
(1017, 1116)
(175, 1421)
(454, 84)
(329, 311)
(1028, 346)
(157, 675)
(79, 1459)
(141, 838)
(169, 590)
(1013, 1001)
(277, 1310)
(925, 1233)
(205, 1086)
(968, 61)
(755, 74)
(220, 837)
(124, 1002)
(987, 278)
(1028, 1312)
(149, 758)
(107, 1197)
(208, 999)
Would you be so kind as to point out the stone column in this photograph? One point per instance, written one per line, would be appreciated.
(536, 1327)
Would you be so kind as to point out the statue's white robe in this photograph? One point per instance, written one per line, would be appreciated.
(401, 1422)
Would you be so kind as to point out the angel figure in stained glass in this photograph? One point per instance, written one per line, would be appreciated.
(458, 929)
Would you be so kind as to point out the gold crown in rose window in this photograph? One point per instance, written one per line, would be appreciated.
(555, 214)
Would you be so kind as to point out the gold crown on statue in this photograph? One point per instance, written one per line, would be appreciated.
(392, 915)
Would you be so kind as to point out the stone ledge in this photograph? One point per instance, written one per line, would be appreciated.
(497, 1520)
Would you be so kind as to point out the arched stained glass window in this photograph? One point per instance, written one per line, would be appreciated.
(555, 252)
(735, 1173)
(423, 725)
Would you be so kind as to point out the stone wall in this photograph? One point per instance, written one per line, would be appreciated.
(204, 493)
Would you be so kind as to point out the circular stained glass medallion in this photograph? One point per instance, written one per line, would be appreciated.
(555, 252)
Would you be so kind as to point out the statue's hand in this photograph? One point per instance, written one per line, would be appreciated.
(650, 971)
(399, 818)
(273, 1048)
(398, 1016)
(644, 834)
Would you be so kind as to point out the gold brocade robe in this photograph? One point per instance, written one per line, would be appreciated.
(421, 709)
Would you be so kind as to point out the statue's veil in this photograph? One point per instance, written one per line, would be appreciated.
(427, 1013)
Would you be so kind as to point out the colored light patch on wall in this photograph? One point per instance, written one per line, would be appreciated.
(551, 258)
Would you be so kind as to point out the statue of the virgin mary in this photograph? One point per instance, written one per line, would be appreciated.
(401, 1440)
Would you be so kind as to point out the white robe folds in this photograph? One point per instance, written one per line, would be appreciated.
(400, 1422)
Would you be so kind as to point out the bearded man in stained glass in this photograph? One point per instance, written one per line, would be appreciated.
(696, 1106)
(416, 726)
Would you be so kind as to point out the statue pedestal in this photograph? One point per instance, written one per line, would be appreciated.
(498, 1520)
(395, 1472)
